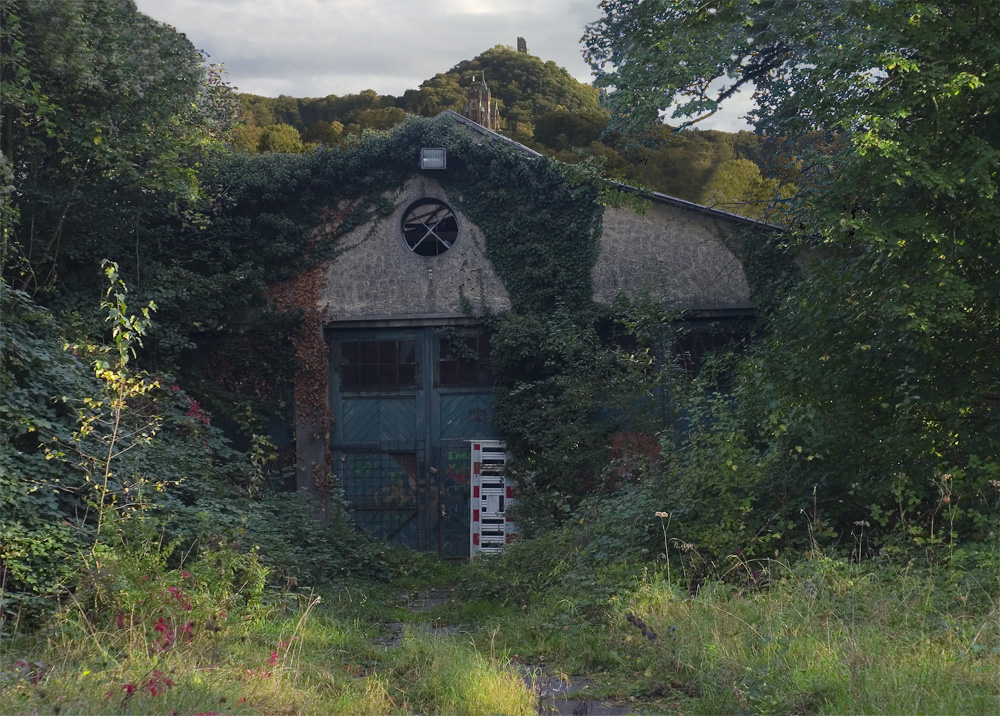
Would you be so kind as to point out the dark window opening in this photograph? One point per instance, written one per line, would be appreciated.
(430, 227)
(377, 365)
(465, 364)
(693, 346)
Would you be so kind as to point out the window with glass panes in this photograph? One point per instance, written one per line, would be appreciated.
(377, 365)
(465, 365)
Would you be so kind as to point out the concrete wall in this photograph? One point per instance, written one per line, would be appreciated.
(380, 277)
(674, 253)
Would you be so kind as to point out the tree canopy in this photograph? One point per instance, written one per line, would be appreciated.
(525, 86)
(107, 113)
(882, 362)
(541, 105)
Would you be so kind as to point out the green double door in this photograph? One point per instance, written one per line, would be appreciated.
(406, 404)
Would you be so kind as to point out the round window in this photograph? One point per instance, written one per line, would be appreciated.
(430, 227)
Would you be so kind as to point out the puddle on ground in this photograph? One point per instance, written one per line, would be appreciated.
(555, 695)
(561, 696)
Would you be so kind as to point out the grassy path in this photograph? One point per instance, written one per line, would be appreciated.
(823, 637)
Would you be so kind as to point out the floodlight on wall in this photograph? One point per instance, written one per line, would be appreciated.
(433, 158)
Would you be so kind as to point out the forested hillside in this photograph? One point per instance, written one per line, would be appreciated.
(541, 106)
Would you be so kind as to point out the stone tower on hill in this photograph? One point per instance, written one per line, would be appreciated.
(480, 107)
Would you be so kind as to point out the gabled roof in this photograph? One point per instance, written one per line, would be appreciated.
(652, 196)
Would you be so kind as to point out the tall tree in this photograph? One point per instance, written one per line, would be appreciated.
(883, 361)
(106, 112)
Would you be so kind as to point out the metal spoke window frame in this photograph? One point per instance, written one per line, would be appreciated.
(430, 227)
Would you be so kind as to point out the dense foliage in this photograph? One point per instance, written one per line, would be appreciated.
(525, 86)
(874, 399)
(110, 122)
(107, 114)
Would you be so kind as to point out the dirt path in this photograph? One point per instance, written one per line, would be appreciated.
(556, 695)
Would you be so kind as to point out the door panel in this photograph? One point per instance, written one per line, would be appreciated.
(454, 461)
(466, 416)
(366, 419)
(385, 495)
(401, 440)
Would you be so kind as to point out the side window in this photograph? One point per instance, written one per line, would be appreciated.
(465, 364)
(691, 345)
(377, 365)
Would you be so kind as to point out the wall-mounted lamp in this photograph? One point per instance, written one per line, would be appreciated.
(433, 158)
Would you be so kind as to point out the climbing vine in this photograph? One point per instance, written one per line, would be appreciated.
(557, 356)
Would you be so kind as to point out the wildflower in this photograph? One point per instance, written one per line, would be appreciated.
(128, 689)
(186, 575)
(662, 514)
(161, 625)
(194, 411)
(158, 683)
(175, 387)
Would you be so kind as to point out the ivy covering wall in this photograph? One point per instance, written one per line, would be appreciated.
(280, 216)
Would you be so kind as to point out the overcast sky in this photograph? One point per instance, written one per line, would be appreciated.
(314, 48)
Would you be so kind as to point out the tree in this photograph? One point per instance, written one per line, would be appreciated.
(381, 119)
(525, 86)
(324, 132)
(281, 138)
(106, 114)
(882, 362)
(562, 129)
(738, 186)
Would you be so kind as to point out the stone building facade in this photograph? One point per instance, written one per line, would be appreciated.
(404, 405)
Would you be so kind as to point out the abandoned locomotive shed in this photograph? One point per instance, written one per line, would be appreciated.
(393, 346)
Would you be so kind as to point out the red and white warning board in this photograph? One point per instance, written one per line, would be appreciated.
(492, 494)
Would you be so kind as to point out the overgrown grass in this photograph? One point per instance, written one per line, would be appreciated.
(209, 638)
(321, 666)
(820, 636)
(824, 636)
